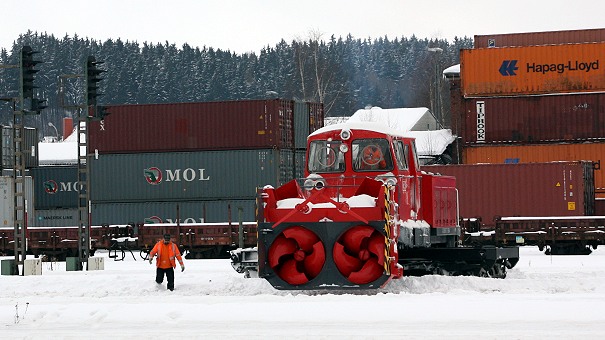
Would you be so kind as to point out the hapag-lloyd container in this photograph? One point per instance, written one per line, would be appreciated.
(537, 153)
(532, 70)
(228, 125)
(531, 189)
(185, 176)
(533, 119)
(540, 38)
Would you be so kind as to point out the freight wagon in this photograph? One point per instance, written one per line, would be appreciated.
(196, 240)
(550, 205)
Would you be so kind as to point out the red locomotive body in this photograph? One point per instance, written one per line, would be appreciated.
(364, 214)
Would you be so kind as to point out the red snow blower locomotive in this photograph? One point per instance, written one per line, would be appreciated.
(364, 214)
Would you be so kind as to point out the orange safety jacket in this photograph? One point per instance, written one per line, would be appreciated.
(166, 254)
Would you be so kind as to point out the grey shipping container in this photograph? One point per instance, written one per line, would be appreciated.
(55, 187)
(529, 189)
(227, 125)
(29, 147)
(167, 212)
(7, 201)
(176, 176)
(532, 119)
(56, 218)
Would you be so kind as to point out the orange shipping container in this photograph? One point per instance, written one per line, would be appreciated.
(540, 38)
(533, 70)
(540, 153)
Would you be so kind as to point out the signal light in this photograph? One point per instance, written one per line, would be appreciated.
(92, 78)
(28, 71)
(101, 112)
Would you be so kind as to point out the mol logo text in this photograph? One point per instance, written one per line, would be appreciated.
(155, 176)
(52, 187)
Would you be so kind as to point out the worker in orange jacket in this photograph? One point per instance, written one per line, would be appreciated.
(165, 263)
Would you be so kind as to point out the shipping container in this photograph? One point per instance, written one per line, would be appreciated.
(538, 153)
(55, 187)
(29, 147)
(229, 125)
(56, 218)
(533, 119)
(540, 38)
(599, 207)
(7, 201)
(167, 212)
(203, 175)
(532, 70)
(487, 191)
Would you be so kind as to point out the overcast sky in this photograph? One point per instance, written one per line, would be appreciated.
(248, 25)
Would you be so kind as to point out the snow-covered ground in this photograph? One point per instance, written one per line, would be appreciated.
(543, 297)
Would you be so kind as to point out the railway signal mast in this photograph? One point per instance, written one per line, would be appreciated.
(92, 111)
(27, 68)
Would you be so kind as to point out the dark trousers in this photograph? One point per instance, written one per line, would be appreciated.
(159, 276)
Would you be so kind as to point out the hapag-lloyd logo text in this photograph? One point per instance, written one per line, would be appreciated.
(155, 176)
(52, 187)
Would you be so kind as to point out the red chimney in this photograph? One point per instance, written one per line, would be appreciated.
(68, 127)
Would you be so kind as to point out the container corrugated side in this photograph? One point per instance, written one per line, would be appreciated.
(533, 70)
(532, 189)
(56, 218)
(166, 212)
(533, 119)
(538, 153)
(301, 124)
(233, 174)
(55, 187)
(540, 38)
(29, 147)
(247, 124)
(7, 201)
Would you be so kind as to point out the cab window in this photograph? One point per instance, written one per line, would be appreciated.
(325, 156)
(401, 155)
(371, 155)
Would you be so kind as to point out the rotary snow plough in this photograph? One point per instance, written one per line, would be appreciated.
(364, 214)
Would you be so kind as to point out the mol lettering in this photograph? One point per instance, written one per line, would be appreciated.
(187, 175)
(68, 186)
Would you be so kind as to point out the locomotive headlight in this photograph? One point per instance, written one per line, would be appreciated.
(314, 181)
(345, 134)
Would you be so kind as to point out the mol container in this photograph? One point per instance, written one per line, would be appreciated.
(488, 191)
(208, 211)
(532, 70)
(185, 176)
(56, 187)
(228, 125)
(540, 38)
(533, 119)
(538, 153)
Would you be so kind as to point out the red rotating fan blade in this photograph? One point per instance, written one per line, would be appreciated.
(315, 261)
(280, 247)
(371, 271)
(376, 246)
(345, 262)
(289, 273)
(354, 237)
(304, 237)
